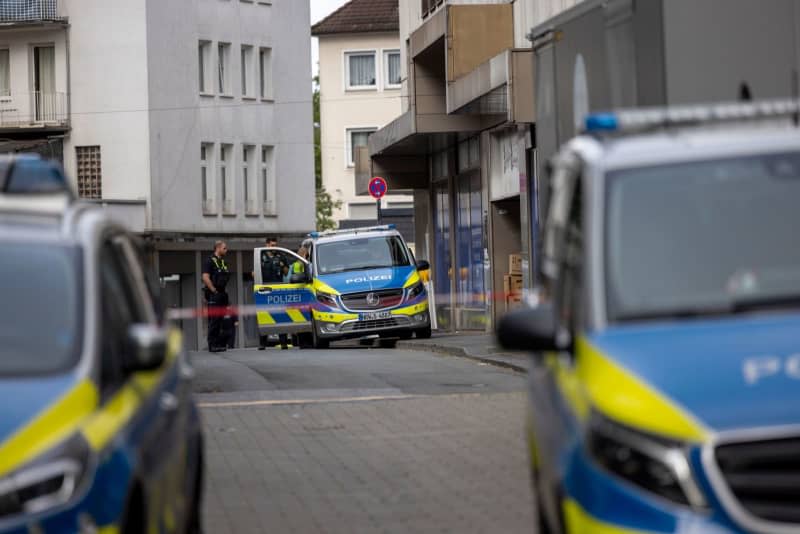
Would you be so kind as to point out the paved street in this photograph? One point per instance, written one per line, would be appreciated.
(362, 440)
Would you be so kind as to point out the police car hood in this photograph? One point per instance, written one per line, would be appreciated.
(24, 399)
(741, 372)
(368, 279)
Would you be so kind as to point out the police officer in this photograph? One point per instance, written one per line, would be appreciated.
(215, 278)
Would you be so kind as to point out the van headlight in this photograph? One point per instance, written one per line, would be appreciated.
(47, 482)
(415, 290)
(327, 299)
(655, 464)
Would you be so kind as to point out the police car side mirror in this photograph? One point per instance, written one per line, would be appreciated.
(300, 278)
(147, 347)
(423, 265)
(531, 330)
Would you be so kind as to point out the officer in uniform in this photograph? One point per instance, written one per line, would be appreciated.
(215, 278)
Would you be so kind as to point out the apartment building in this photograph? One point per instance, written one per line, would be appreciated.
(360, 82)
(189, 120)
(464, 144)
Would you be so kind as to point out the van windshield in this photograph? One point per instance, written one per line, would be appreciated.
(41, 331)
(711, 237)
(360, 254)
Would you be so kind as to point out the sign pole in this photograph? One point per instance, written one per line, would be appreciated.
(378, 188)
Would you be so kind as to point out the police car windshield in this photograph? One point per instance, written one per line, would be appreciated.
(703, 237)
(41, 328)
(361, 253)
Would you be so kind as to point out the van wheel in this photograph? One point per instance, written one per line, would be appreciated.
(424, 333)
(317, 341)
(305, 340)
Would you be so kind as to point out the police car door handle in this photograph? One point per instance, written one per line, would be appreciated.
(168, 402)
(264, 291)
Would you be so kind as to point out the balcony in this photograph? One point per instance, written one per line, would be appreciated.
(25, 12)
(36, 110)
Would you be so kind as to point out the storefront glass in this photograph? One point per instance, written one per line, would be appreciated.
(442, 264)
(470, 287)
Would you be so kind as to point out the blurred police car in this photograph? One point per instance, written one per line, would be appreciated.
(665, 390)
(98, 430)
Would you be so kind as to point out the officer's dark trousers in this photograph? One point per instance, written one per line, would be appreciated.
(216, 310)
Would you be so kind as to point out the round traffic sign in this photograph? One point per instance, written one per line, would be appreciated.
(377, 187)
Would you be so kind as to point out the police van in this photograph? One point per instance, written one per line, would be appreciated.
(98, 428)
(360, 283)
(665, 386)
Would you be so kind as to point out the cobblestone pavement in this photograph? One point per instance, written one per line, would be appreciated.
(419, 464)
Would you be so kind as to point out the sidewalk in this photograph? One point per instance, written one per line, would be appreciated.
(480, 347)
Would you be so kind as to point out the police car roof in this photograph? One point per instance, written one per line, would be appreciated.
(685, 144)
(356, 234)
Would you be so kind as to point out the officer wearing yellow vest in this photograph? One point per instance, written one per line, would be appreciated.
(215, 278)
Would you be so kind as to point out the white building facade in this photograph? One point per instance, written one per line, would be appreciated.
(360, 83)
(190, 120)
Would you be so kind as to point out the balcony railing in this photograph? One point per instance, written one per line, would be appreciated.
(36, 109)
(429, 6)
(28, 10)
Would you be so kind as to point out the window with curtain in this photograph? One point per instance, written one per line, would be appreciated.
(361, 70)
(392, 61)
(44, 82)
(222, 66)
(5, 73)
(355, 138)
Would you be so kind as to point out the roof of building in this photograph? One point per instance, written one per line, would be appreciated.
(361, 16)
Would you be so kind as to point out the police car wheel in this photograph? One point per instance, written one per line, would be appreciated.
(317, 341)
(424, 333)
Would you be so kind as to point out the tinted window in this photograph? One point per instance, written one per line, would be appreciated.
(361, 254)
(703, 237)
(41, 329)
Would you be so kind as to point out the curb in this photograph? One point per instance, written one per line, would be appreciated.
(459, 352)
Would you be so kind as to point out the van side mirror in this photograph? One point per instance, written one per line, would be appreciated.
(423, 265)
(300, 278)
(147, 347)
(532, 330)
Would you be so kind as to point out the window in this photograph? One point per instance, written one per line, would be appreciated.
(360, 70)
(268, 181)
(228, 204)
(265, 72)
(44, 83)
(206, 185)
(392, 76)
(203, 66)
(469, 154)
(247, 71)
(223, 83)
(89, 171)
(5, 73)
(357, 137)
(250, 193)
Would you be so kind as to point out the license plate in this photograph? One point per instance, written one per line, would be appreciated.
(375, 316)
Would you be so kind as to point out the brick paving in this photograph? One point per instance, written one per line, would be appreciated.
(444, 463)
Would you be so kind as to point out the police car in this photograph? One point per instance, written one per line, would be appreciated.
(98, 429)
(666, 383)
(361, 283)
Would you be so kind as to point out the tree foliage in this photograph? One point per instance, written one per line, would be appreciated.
(325, 202)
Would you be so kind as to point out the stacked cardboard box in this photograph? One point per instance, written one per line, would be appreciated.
(512, 283)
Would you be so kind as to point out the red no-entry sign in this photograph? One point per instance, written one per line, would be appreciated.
(377, 187)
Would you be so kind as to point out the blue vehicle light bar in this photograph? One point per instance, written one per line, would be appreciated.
(31, 175)
(637, 120)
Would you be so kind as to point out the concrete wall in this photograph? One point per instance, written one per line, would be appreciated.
(341, 109)
(181, 118)
(530, 13)
(109, 92)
